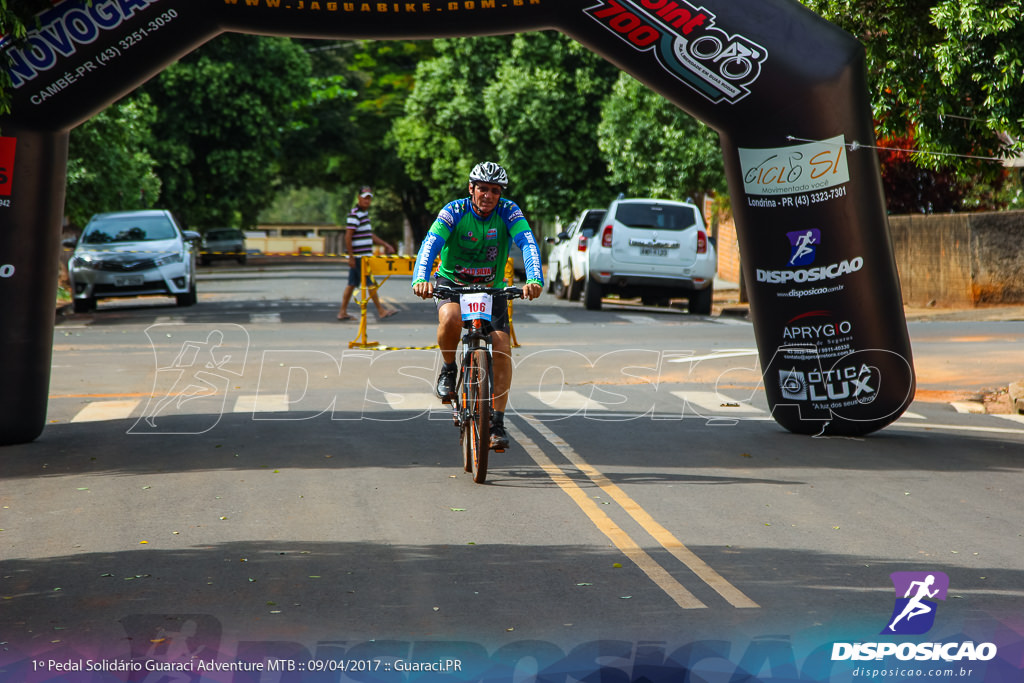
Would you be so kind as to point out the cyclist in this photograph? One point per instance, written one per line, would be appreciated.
(472, 235)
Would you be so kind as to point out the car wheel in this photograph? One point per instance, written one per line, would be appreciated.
(575, 287)
(83, 305)
(700, 302)
(591, 295)
(189, 298)
(241, 260)
(559, 285)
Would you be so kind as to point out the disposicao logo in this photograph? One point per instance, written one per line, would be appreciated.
(916, 593)
(804, 246)
(914, 614)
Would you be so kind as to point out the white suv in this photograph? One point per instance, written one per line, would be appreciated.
(654, 249)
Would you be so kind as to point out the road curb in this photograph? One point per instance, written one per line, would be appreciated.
(1016, 391)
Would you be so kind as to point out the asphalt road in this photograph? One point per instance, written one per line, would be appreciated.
(291, 499)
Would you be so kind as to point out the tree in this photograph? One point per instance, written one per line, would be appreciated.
(15, 18)
(654, 149)
(543, 109)
(341, 138)
(222, 113)
(109, 164)
(948, 71)
(444, 131)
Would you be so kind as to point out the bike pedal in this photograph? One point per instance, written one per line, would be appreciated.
(498, 450)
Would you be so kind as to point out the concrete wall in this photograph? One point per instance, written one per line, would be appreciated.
(960, 259)
(946, 260)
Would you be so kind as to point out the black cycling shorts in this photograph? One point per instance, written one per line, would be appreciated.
(499, 312)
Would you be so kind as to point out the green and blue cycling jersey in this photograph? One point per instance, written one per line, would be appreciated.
(474, 250)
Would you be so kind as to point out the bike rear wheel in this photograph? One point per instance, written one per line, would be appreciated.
(476, 435)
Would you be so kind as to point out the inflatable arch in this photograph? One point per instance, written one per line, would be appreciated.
(785, 90)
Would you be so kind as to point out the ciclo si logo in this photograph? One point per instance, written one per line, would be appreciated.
(915, 608)
(804, 245)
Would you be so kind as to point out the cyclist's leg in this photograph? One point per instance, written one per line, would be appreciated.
(449, 330)
(501, 348)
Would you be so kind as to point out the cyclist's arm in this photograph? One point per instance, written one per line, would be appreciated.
(428, 253)
(531, 256)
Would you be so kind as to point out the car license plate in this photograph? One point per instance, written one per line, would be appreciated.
(653, 251)
(129, 281)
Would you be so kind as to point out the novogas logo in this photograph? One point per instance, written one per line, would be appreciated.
(687, 44)
(914, 612)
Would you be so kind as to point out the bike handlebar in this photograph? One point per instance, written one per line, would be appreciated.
(445, 291)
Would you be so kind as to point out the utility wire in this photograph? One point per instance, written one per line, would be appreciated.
(854, 146)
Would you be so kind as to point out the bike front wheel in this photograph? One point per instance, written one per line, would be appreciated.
(476, 425)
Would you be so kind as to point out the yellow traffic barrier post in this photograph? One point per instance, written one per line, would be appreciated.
(360, 341)
(373, 266)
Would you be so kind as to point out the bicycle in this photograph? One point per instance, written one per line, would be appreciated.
(474, 387)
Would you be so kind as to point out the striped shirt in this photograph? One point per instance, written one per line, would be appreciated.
(358, 222)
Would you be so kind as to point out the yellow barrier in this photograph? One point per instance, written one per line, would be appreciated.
(372, 266)
(387, 266)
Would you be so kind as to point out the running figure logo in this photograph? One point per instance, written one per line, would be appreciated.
(914, 612)
(196, 366)
(805, 246)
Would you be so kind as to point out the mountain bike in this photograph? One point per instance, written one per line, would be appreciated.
(474, 388)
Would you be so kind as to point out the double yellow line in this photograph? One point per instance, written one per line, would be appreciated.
(630, 548)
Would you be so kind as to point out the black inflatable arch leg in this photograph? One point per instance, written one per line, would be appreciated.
(33, 168)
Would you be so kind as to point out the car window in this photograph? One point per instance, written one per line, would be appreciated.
(656, 216)
(224, 235)
(592, 222)
(128, 229)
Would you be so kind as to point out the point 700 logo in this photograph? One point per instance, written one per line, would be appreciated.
(686, 42)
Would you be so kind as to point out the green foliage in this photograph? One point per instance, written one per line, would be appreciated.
(16, 19)
(109, 164)
(654, 149)
(947, 72)
(444, 131)
(343, 140)
(222, 113)
(543, 107)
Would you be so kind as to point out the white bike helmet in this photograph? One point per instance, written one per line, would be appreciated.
(489, 172)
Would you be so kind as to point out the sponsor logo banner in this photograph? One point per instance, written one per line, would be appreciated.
(7, 149)
(795, 169)
(686, 43)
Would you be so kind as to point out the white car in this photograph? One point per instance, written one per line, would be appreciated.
(132, 253)
(567, 260)
(654, 249)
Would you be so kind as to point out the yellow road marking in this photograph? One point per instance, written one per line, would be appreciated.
(663, 536)
(617, 536)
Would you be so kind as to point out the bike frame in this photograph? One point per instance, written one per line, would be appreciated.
(477, 336)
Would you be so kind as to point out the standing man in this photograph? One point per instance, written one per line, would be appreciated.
(472, 236)
(359, 241)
